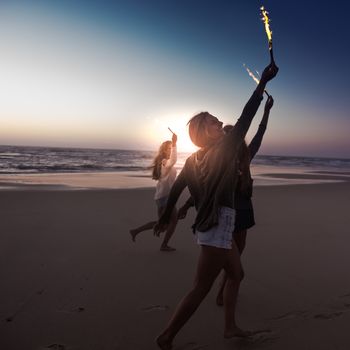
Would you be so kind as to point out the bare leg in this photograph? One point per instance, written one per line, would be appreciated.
(220, 296)
(211, 261)
(240, 239)
(233, 272)
(169, 232)
(145, 227)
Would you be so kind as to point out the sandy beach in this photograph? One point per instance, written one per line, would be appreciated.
(104, 104)
(72, 279)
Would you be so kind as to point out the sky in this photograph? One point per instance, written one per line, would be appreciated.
(117, 74)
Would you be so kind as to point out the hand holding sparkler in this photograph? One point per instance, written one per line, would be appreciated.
(268, 104)
(269, 73)
(174, 138)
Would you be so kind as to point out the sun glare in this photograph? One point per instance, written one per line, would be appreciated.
(178, 124)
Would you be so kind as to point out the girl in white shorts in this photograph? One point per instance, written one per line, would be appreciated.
(211, 175)
(219, 236)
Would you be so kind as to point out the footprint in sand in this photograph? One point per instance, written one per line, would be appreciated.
(290, 315)
(334, 314)
(259, 337)
(328, 316)
(305, 315)
(337, 310)
(55, 347)
(264, 338)
(155, 308)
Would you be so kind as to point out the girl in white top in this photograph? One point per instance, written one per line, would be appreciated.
(165, 173)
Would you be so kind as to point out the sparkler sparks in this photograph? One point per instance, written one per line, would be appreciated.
(251, 74)
(266, 20)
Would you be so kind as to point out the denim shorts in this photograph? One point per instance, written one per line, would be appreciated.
(219, 236)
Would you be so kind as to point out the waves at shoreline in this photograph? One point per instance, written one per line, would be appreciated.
(41, 160)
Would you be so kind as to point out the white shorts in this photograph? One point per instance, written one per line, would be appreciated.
(219, 236)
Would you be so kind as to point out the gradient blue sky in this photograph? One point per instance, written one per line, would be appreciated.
(116, 74)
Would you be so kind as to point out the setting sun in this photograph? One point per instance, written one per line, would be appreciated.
(177, 122)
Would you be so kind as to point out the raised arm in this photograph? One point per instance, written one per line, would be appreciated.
(169, 163)
(257, 139)
(175, 192)
(241, 127)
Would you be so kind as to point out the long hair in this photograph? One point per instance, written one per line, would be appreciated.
(157, 162)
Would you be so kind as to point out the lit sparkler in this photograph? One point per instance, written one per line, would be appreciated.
(251, 74)
(266, 21)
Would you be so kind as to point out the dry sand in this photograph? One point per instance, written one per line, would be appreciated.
(72, 279)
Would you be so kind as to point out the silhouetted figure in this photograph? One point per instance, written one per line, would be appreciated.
(242, 198)
(211, 175)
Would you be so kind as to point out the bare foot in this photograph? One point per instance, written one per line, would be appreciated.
(219, 300)
(237, 332)
(166, 248)
(133, 234)
(163, 342)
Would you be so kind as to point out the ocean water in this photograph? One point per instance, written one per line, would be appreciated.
(33, 160)
(36, 160)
